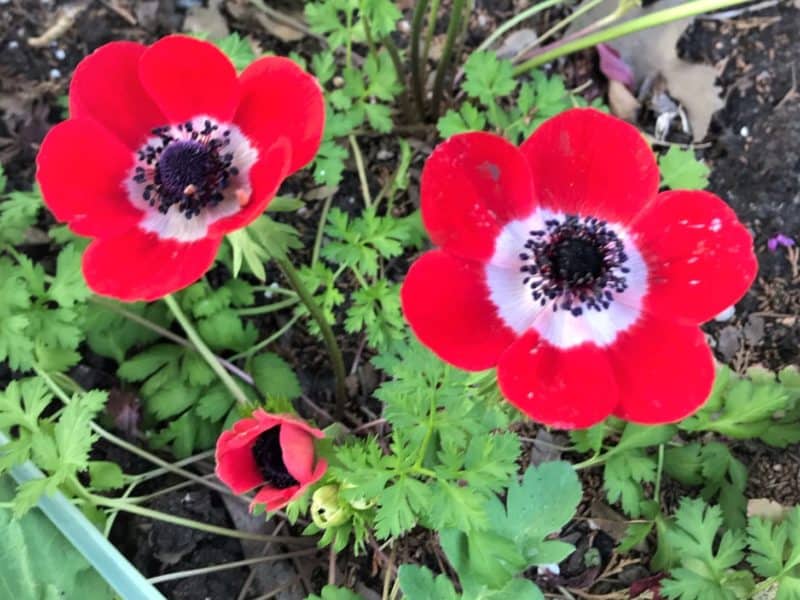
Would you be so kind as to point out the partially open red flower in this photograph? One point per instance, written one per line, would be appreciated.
(273, 452)
(167, 150)
(562, 265)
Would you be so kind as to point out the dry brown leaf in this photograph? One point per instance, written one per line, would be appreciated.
(766, 509)
(623, 104)
(654, 51)
(208, 20)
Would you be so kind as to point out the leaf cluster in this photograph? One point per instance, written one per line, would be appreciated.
(512, 106)
(58, 444)
(519, 535)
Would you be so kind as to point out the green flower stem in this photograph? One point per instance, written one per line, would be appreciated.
(252, 311)
(142, 511)
(417, 80)
(328, 337)
(453, 28)
(166, 333)
(562, 48)
(516, 20)
(659, 470)
(205, 352)
(592, 461)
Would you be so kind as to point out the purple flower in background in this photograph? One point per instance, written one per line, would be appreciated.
(779, 240)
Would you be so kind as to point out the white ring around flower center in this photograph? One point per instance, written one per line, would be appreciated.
(520, 312)
(173, 224)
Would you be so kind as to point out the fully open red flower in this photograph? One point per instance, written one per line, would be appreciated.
(167, 150)
(271, 451)
(562, 265)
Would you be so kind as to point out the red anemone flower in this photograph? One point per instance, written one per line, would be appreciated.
(272, 451)
(561, 264)
(167, 150)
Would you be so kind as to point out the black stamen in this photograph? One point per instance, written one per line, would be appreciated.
(575, 263)
(269, 458)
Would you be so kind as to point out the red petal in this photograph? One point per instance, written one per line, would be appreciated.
(472, 185)
(279, 99)
(188, 77)
(81, 167)
(665, 371)
(236, 467)
(139, 266)
(586, 162)
(568, 389)
(265, 178)
(446, 302)
(106, 87)
(275, 499)
(298, 452)
(700, 256)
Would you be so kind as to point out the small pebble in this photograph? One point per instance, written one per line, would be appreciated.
(13, 44)
(384, 154)
(726, 315)
(55, 73)
(744, 131)
(60, 54)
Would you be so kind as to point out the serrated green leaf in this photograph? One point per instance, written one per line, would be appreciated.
(274, 377)
(105, 475)
(418, 583)
(487, 77)
(680, 170)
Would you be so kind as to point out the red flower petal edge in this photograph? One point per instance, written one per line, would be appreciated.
(274, 453)
(166, 151)
(562, 265)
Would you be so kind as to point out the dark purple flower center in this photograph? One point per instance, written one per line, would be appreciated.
(191, 171)
(268, 455)
(577, 263)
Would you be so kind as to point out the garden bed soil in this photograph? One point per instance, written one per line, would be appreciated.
(753, 150)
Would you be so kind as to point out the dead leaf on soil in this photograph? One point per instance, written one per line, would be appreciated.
(516, 42)
(766, 509)
(606, 519)
(654, 51)
(201, 19)
(623, 104)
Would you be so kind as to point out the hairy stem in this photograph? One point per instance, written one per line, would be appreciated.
(417, 79)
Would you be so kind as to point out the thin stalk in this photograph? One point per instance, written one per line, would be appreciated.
(561, 48)
(362, 172)
(268, 340)
(394, 54)
(231, 565)
(582, 10)
(516, 20)
(204, 351)
(659, 469)
(252, 311)
(334, 352)
(183, 522)
(147, 323)
(326, 206)
(417, 81)
(453, 27)
(429, 31)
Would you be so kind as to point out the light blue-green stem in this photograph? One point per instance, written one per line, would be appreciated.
(120, 574)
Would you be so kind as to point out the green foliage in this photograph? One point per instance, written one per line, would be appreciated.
(680, 170)
(238, 50)
(263, 239)
(41, 315)
(761, 406)
(274, 378)
(775, 552)
(705, 567)
(446, 455)
(518, 536)
(513, 107)
(331, 592)
(38, 563)
(59, 444)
